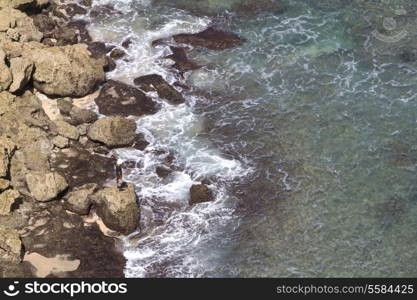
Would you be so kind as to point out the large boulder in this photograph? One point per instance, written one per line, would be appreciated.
(78, 200)
(7, 199)
(155, 82)
(22, 69)
(10, 245)
(117, 98)
(113, 131)
(17, 26)
(45, 186)
(118, 208)
(200, 193)
(66, 71)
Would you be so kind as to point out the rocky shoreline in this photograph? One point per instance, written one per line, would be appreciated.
(61, 211)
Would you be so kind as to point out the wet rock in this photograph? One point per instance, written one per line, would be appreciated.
(98, 49)
(79, 166)
(45, 186)
(113, 131)
(65, 36)
(140, 143)
(109, 64)
(200, 193)
(66, 71)
(87, 3)
(21, 69)
(211, 39)
(17, 26)
(117, 98)
(118, 208)
(117, 53)
(67, 130)
(60, 142)
(44, 23)
(81, 28)
(78, 200)
(163, 171)
(103, 11)
(7, 199)
(156, 83)
(182, 63)
(10, 245)
(73, 9)
(126, 43)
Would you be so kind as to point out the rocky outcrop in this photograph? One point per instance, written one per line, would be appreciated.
(17, 26)
(45, 186)
(67, 130)
(10, 245)
(117, 98)
(200, 193)
(22, 4)
(78, 200)
(118, 208)
(156, 83)
(113, 131)
(21, 69)
(7, 199)
(66, 71)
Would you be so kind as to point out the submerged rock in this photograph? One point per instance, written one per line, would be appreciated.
(182, 63)
(45, 186)
(200, 193)
(117, 98)
(156, 83)
(118, 208)
(66, 71)
(211, 39)
(10, 245)
(113, 131)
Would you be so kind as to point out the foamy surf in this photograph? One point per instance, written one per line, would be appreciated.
(171, 229)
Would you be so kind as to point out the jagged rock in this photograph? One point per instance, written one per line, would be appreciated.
(67, 130)
(200, 193)
(44, 23)
(4, 184)
(163, 171)
(7, 148)
(5, 74)
(17, 26)
(65, 36)
(78, 200)
(22, 69)
(118, 208)
(7, 199)
(22, 4)
(182, 63)
(117, 98)
(156, 83)
(65, 105)
(10, 245)
(81, 27)
(66, 71)
(117, 53)
(81, 116)
(211, 39)
(45, 186)
(60, 141)
(113, 131)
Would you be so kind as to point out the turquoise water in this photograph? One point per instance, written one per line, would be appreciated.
(319, 106)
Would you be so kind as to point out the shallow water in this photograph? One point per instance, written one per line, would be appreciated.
(307, 132)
